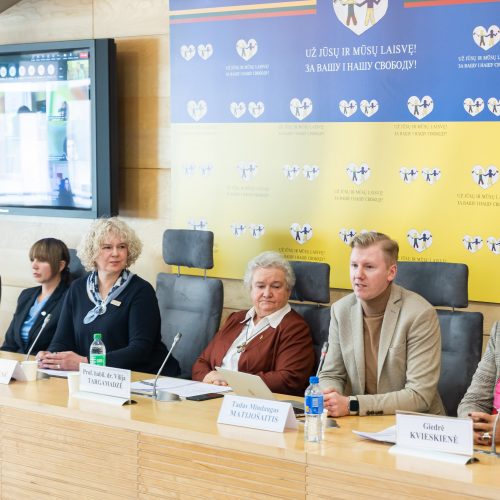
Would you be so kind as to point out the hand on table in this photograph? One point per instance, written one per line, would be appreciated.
(336, 404)
(67, 360)
(214, 377)
(483, 427)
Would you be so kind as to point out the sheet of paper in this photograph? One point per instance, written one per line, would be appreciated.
(56, 373)
(181, 387)
(99, 398)
(451, 458)
(198, 388)
(387, 435)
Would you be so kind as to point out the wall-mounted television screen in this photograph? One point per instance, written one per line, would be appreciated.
(58, 129)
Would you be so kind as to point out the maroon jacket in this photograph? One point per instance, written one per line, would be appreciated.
(283, 357)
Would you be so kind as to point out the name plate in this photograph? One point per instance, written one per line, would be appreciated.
(7, 368)
(436, 437)
(105, 380)
(256, 413)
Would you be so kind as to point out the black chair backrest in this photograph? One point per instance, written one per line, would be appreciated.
(188, 248)
(313, 285)
(191, 305)
(440, 283)
(76, 268)
(462, 344)
(446, 285)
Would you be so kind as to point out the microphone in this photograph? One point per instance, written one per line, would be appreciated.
(324, 350)
(165, 395)
(44, 324)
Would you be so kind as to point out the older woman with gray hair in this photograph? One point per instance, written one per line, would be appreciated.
(112, 301)
(270, 340)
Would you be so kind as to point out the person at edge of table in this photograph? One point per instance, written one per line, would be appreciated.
(113, 301)
(50, 267)
(270, 339)
(385, 341)
(482, 399)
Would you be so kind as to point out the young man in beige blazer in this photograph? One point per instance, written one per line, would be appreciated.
(385, 342)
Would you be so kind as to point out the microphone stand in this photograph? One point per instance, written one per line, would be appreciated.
(164, 395)
(493, 438)
(44, 324)
(324, 350)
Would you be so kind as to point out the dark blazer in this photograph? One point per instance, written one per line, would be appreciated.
(130, 328)
(13, 341)
(283, 356)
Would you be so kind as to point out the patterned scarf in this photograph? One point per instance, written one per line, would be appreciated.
(94, 295)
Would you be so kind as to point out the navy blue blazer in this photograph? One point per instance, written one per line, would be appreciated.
(130, 328)
(13, 341)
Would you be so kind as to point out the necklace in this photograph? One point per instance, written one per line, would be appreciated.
(241, 347)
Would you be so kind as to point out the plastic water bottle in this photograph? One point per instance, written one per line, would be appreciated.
(313, 409)
(97, 351)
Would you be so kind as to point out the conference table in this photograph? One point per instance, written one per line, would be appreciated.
(55, 446)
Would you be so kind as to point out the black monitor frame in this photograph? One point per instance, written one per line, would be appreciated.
(104, 128)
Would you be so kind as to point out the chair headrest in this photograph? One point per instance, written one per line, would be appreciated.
(76, 268)
(440, 283)
(312, 281)
(189, 248)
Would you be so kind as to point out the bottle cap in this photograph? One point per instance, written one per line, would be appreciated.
(97, 336)
(313, 380)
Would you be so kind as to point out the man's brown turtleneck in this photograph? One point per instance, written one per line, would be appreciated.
(373, 316)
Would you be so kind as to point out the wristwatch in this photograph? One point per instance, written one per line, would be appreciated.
(353, 405)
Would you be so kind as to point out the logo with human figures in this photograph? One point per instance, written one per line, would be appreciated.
(346, 235)
(420, 107)
(493, 244)
(291, 172)
(494, 105)
(368, 108)
(301, 233)
(197, 110)
(198, 224)
(310, 172)
(360, 15)
(485, 177)
(431, 175)
(486, 38)
(301, 109)
(238, 109)
(188, 52)
(348, 108)
(358, 173)
(256, 108)
(247, 48)
(419, 241)
(408, 174)
(473, 106)
(205, 50)
(247, 170)
(472, 243)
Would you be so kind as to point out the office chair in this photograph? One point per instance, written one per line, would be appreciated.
(446, 285)
(76, 269)
(191, 305)
(312, 284)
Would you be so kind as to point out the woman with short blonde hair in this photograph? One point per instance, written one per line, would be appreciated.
(112, 301)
